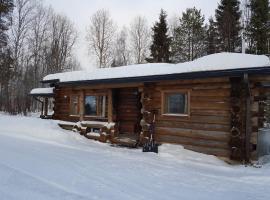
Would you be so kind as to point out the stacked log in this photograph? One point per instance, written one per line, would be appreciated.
(236, 140)
(146, 111)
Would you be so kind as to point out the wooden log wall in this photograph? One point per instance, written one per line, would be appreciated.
(207, 128)
(216, 107)
(217, 121)
(62, 103)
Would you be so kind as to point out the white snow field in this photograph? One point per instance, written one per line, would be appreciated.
(40, 161)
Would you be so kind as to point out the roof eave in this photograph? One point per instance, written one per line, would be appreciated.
(42, 95)
(50, 81)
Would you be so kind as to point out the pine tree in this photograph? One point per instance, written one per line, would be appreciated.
(258, 29)
(189, 41)
(160, 48)
(211, 37)
(228, 16)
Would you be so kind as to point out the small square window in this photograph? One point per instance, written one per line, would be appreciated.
(175, 103)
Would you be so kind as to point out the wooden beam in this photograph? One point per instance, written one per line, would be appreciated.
(237, 126)
(42, 108)
(248, 119)
(110, 106)
(104, 86)
(46, 106)
(81, 105)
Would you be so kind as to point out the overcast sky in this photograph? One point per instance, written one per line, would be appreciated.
(122, 12)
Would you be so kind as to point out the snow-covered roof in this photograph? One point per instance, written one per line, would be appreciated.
(214, 62)
(42, 91)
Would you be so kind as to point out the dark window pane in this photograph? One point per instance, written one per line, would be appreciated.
(176, 103)
(90, 106)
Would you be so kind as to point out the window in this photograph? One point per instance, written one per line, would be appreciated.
(95, 106)
(90, 105)
(175, 103)
(74, 108)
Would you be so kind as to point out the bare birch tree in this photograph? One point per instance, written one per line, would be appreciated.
(140, 39)
(22, 19)
(100, 35)
(40, 42)
(39, 35)
(61, 42)
(121, 52)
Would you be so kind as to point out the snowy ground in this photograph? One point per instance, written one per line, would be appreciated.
(41, 161)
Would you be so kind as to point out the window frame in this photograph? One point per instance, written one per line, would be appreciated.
(164, 94)
(72, 103)
(101, 111)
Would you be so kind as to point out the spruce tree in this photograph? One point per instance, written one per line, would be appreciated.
(160, 48)
(189, 41)
(228, 16)
(258, 29)
(211, 37)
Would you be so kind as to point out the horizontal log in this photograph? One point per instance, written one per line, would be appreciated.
(107, 86)
(211, 93)
(259, 78)
(205, 86)
(192, 142)
(66, 118)
(211, 99)
(102, 119)
(197, 119)
(62, 107)
(260, 98)
(127, 106)
(195, 134)
(194, 126)
(210, 105)
(200, 112)
(192, 81)
(61, 100)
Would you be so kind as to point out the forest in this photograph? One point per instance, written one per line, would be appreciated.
(35, 41)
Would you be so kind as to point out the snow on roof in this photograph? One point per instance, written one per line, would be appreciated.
(214, 62)
(44, 91)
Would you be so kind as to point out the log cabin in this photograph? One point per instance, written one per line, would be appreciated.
(213, 105)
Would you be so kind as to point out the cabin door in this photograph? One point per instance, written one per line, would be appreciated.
(128, 110)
